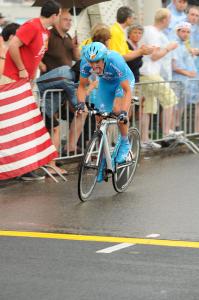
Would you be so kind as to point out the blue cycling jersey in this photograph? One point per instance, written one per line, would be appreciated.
(115, 68)
(115, 71)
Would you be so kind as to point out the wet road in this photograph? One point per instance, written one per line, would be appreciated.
(163, 199)
(162, 203)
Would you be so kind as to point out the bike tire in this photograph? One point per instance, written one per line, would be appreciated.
(124, 173)
(89, 168)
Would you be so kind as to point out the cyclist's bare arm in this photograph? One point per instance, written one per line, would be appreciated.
(125, 103)
(82, 89)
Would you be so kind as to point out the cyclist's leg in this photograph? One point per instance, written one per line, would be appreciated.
(103, 101)
(125, 145)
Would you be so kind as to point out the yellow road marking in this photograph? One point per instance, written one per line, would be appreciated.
(104, 239)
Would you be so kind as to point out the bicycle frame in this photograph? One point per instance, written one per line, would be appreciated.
(104, 145)
(100, 158)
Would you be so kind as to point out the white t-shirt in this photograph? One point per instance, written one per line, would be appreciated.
(162, 66)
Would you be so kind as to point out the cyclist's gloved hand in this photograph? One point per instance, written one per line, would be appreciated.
(80, 107)
(123, 117)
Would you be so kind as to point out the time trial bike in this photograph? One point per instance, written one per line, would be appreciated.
(99, 149)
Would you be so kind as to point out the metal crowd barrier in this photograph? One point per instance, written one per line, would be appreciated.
(188, 121)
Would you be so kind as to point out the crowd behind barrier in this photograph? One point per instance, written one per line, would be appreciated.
(189, 116)
(167, 49)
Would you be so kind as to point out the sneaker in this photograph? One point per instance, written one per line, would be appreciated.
(32, 176)
(123, 152)
(176, 132)
(173, 134)
(150, 145)
(100, 175)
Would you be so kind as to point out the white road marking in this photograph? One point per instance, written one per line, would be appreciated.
(115, 248)
(153, 235)
(124, 245)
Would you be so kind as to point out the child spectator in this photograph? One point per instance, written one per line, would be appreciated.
(7, 34)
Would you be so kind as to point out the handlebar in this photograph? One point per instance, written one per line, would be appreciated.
(93, 111)
(104, 115)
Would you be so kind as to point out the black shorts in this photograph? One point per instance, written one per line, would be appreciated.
(49, 122)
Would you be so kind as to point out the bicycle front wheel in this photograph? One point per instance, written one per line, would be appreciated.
(124, 173)
(89, 168)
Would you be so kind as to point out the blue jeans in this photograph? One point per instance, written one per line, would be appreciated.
(66, 83)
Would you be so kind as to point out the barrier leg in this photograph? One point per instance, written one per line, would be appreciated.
(45, 169)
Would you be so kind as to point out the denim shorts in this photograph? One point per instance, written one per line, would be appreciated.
(66, 82)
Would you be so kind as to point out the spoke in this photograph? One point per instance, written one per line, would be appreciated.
(119, 177)
(90, 152)
(127, 172)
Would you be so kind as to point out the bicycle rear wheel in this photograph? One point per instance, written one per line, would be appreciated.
(124, 173)
(89, 168)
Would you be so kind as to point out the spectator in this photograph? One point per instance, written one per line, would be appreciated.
(135, 33)
(177, 9)
(56, 64)
(96, 27)
(193, 42)
(9, 31)
(150, 71)
(26, 50)
(7, 34)
(30, 43)
(102, 35)
(118, 37)
(184, 70)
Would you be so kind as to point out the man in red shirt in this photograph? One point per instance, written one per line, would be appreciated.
(27, 48)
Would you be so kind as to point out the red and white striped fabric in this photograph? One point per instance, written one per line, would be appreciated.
(25, 144)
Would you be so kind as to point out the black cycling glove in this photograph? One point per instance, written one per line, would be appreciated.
(80, 106)
(123, 117)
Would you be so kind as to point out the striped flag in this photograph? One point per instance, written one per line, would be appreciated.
(25, 144)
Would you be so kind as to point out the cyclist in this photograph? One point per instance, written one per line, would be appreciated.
(114, 92)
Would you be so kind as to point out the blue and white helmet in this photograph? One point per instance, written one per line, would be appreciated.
(95, 51)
